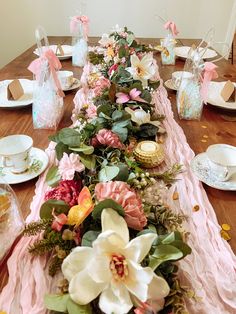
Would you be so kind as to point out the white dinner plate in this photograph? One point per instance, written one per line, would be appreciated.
(75, 85)
(38, 163)
(66, 48)
(25, 100)
(169, 84)
(200, 165)
(182, 52)
(214, 96)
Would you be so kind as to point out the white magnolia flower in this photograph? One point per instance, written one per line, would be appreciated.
(106, 41)
(111, 269)
(143, 69)
(117, 29)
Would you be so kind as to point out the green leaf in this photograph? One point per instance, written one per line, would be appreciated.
(87, 150)
(105, 109)
(175, 235)
(47, 207)
(108, 203)
(183, 247)
(146, 231)
(89, 237)
(54, 138)
(60, 149)
(53, 176)
(146, 96)
(122, 52)
(121, 124)
(123, 174)
(74, 308)
(108, 173)
(147, 130)
(69, 137)
(116, 115)
(88, 160)
(56, 302)
(153, 84)
(121, 132)
(164, 253)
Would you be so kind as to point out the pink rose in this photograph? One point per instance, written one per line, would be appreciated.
(121, 193)
(107, 138)
(67, 191)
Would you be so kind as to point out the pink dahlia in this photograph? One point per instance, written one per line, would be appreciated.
(121, 193)
(67, 191)
(107, 138)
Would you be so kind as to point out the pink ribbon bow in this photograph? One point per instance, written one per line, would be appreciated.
(85, 23)
(172, 27)
(209, 74)
(54, 65)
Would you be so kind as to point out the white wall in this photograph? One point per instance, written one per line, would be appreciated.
(192, 18)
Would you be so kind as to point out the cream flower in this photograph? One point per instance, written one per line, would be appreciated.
(106, 41)
(111, 269)
(143, 69)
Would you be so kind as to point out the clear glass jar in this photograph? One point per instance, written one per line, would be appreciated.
(168, 51)
(79, 46)
(11, 220)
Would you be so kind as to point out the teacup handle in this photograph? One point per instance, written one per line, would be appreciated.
(229, 174)
(4, 162)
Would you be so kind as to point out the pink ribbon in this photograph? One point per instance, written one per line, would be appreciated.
(209, 74)
(85, 23)
(54, 65)
(172, 27)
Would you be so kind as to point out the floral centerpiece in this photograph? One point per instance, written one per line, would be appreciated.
(104, 224)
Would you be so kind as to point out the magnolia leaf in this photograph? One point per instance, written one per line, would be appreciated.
(54, 138)
(88, 160)
(74, 308)
(108, 203)
(108, 173)
(164, 253)
(69, 137)
(183, 247)
(89, 237)
(105, 109)
(123, 174)
(121, 132)
(171, 237)
(60, 149)
(121, 123)
(56, 302)
(87, 150)
(116, 115)
(53, 176)
(47, 207)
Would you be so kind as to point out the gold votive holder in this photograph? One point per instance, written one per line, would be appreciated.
(149, 153)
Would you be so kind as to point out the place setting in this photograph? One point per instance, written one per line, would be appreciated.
(20, 161)
(63, 52)
(216, 167)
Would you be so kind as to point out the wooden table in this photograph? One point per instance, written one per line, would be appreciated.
(217, 129)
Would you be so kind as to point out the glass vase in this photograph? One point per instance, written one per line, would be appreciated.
(79, 46)
(168, 51)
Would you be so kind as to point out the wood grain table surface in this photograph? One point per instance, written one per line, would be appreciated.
(218, 128)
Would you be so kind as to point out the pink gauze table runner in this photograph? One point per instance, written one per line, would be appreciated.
(209, 270)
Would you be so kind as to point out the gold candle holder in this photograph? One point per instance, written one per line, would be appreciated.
(149, 153)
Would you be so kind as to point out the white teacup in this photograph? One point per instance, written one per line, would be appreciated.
(14, 150)
(178, 75)
(66, 78)
(223, 161)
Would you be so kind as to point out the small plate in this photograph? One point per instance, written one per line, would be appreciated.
(25, 100)
(214, 98)
(182, 52)
(201, 168)
(169, 84)
(39, 162)
(66, 48)
(75, 85)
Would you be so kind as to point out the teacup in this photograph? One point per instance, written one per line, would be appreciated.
(14, 150)
(222, 161)
(178, 75)
(66, 79)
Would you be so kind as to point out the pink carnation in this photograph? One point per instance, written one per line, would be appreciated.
(91, 112)
(69, 164)
(107, 138)
(101, 84)
(121, 193)
(67, 191)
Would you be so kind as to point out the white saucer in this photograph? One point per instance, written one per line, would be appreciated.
(75, 85)
(214, 98)
(169, 84)
(182, 52)
(39, 162)
(200, 167)
(66, 48)
(25, 100)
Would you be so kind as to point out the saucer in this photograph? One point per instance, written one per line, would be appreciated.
(200, 167)
(169, 84)
(24, 100)
(214, 97)
(66, 48)
(75, 85)
(182, 52)
(39, 162)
